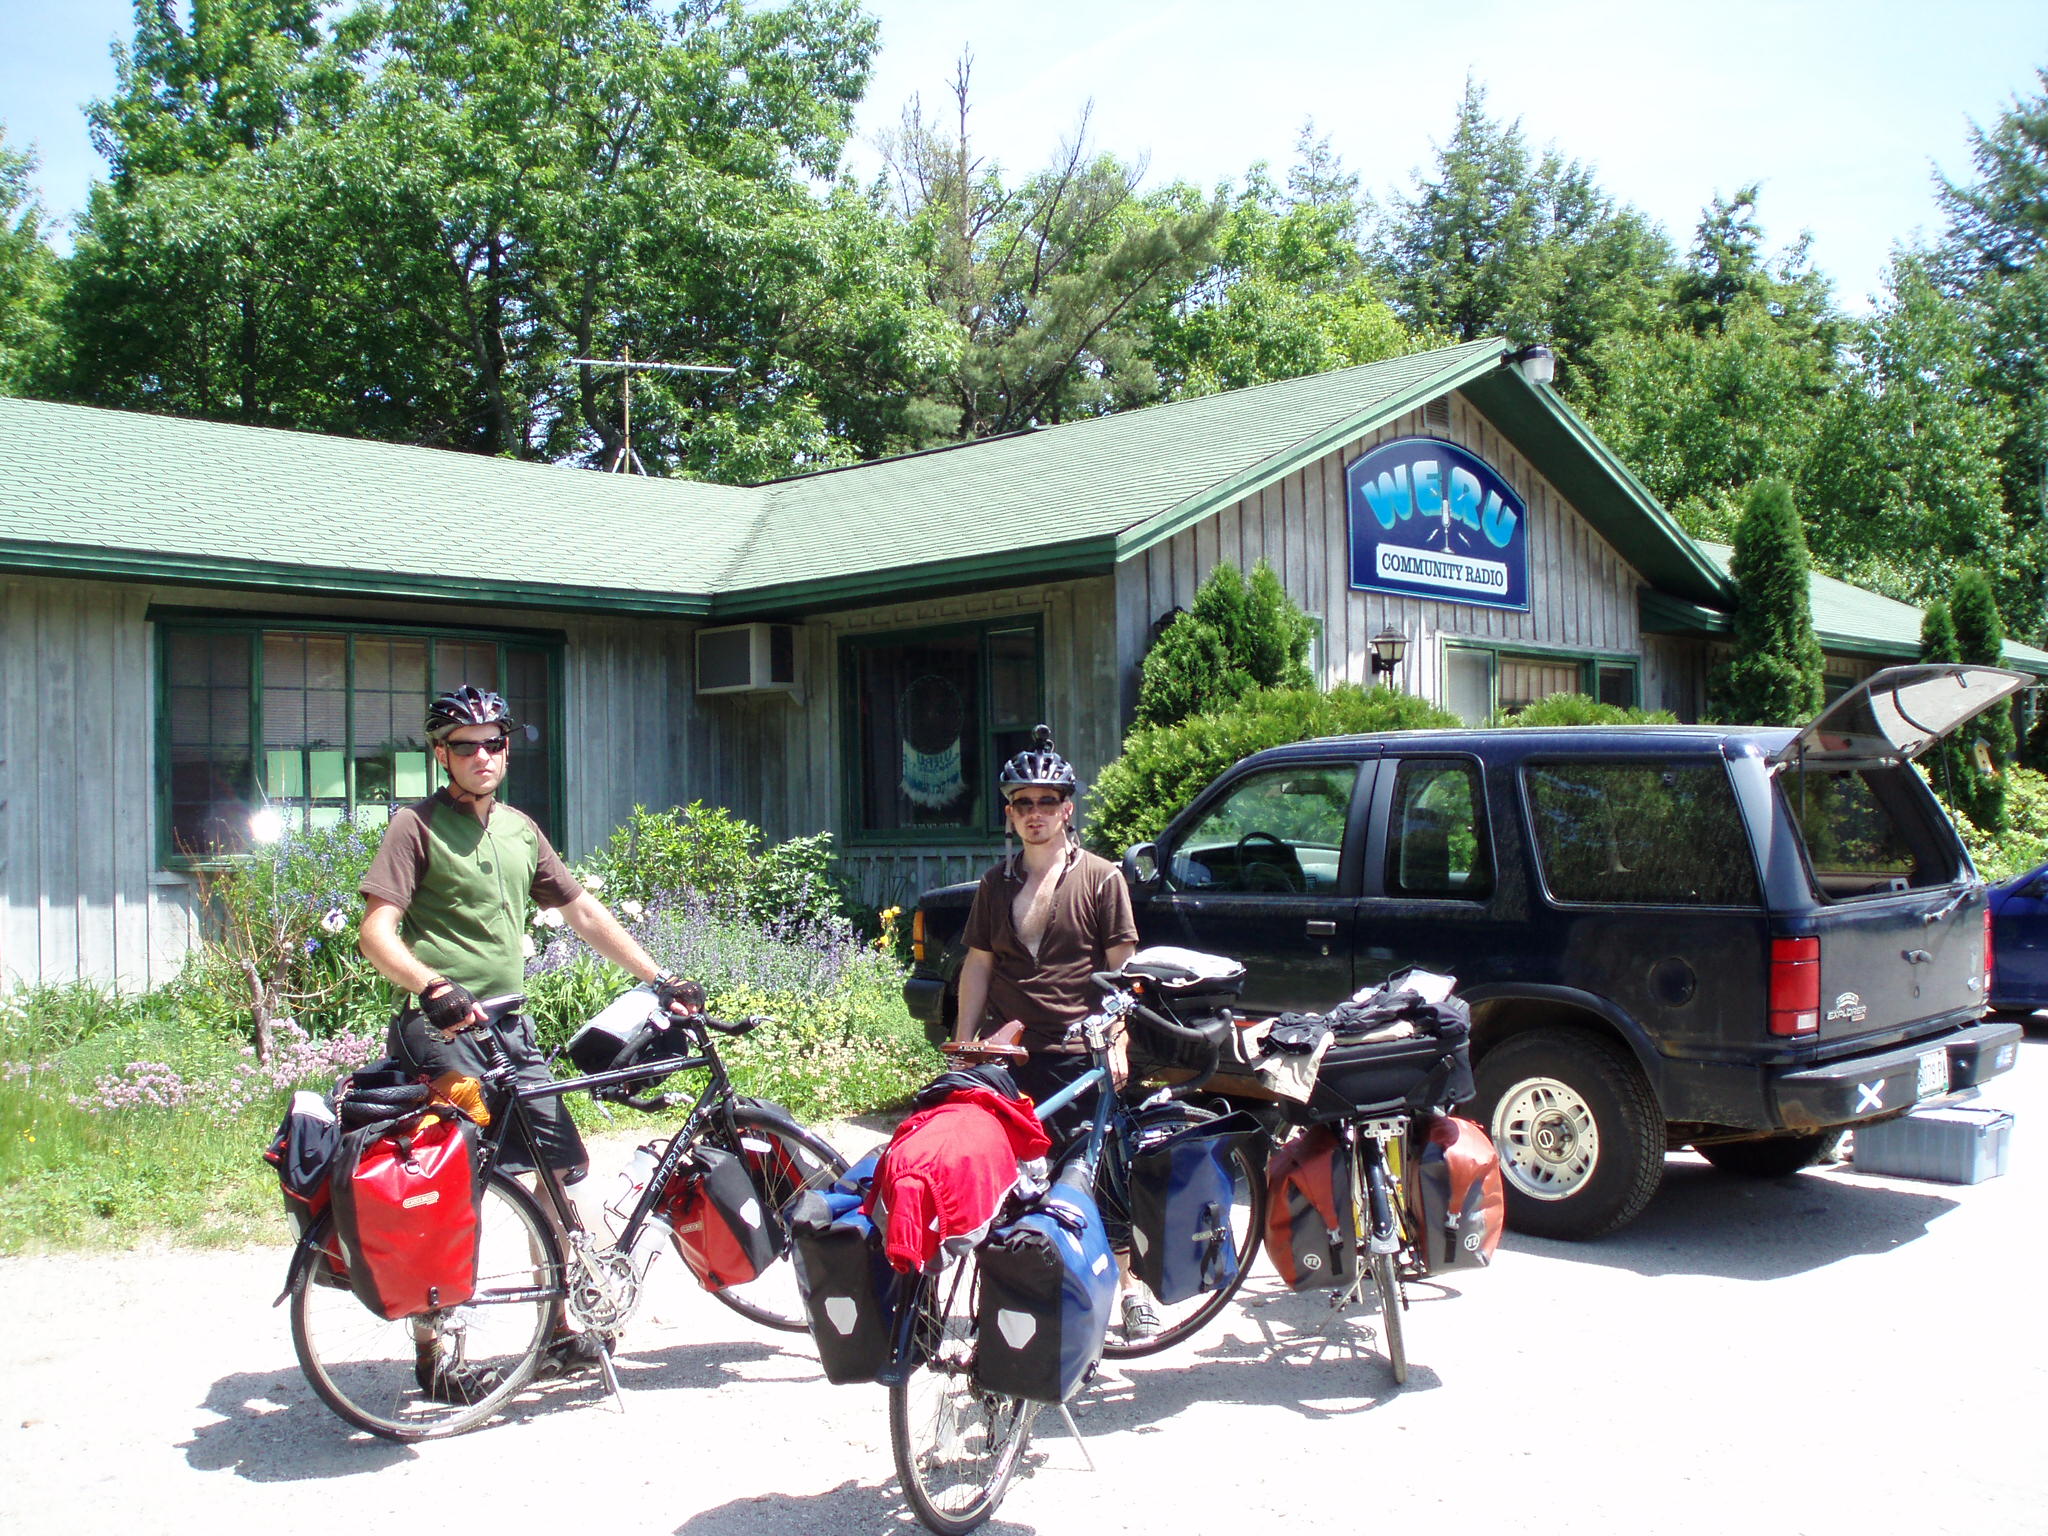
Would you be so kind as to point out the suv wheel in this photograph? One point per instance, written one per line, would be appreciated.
(1580, 1137)
(1772, 1157)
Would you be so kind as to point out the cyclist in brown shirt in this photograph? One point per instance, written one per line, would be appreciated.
(1044, 920)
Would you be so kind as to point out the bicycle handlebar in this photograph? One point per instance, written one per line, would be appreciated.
(1211, 1049)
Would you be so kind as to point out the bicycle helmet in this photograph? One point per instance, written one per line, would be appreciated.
(466, 706)
(1038, 764)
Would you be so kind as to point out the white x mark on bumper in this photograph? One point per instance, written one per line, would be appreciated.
(1870, 1096)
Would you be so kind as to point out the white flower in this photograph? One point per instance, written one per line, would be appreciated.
(537, 916)
(551, 917)
(526, 945)
(593, 882)
(631, 907)
(335, 921)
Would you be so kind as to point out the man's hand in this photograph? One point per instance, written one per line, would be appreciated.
(681, 999)
(450, 1007)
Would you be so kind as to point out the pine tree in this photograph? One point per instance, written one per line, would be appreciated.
(1235, 637)
(1775, 676)
(1980, 640)
(1947, 767)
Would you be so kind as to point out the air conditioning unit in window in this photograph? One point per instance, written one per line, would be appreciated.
(747, 658)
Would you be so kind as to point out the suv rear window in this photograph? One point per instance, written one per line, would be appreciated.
(1647, 833)
(1867, 831)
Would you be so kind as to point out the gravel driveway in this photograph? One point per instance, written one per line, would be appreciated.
(1827, 1353)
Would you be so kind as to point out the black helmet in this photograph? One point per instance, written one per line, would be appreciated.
(465, 706)
(1038, 765)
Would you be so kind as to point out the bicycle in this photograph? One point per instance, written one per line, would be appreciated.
(957, 1445)
(538, 1266)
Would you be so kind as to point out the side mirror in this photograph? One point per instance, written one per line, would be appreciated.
(2037, 887)
(1141, 866)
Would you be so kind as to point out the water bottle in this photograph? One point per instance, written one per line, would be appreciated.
(632, 1185)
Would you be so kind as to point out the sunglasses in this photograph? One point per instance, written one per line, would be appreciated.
(496, 746)
(1037, 802)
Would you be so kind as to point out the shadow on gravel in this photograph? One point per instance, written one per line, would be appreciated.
(273, 1429)
(849, 1508)
(1704, 1222)
(1278, 1350)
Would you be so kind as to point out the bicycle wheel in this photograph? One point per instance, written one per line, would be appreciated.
(1181, 1320)
(785, 1162)
(368, 1368)
(956, 1445)
(1386, 1279)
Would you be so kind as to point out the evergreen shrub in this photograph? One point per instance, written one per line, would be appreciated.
(1163, 767)
(1579, 709)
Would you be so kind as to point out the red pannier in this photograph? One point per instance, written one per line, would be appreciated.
(1311, 1232)
(1455, 1190)
(406, 1197)
(720, 1228)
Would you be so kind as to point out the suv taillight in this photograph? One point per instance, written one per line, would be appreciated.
(1987, 953)
(1795, 986)
(917, 936)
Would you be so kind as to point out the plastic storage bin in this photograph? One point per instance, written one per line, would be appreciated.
(1955, 1144)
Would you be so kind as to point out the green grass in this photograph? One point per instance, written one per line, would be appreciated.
(192, 1174)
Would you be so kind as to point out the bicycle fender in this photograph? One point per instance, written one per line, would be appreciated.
(769, 1110)
(303, 1254)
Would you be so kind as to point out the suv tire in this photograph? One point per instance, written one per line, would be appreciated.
(1580, 1136)
(1772, 1157)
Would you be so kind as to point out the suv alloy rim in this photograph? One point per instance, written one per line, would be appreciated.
(1548, 1139)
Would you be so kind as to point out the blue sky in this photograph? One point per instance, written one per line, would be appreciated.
(1841, 110)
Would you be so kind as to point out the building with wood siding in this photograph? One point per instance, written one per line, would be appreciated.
(200, 621)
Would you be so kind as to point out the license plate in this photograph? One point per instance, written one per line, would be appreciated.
(1933, 1074)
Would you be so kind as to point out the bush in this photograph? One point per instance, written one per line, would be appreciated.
(1774, 677)
(1578, 709)
(707, 852)
(1163, 767)
(1237, 636)
(2024, 842)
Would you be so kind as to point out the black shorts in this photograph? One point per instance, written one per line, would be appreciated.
(1043, 1074)
(419, 1045)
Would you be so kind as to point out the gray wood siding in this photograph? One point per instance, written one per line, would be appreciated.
(1079, 664)
(1582, 594)
(79, 894)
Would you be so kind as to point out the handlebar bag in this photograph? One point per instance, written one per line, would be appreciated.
(1311, 1229)
(406, 1198)
(1181, 1195)
(1454, 1183)
(849, 1290)
(721, 1228)
(1048, 1281)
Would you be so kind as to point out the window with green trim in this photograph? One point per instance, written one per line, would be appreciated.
(931, 715)
(317, 724)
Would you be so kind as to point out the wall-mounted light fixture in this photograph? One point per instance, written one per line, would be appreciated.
(1537, 364)
(1388, 647)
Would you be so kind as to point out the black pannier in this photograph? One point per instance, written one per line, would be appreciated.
(849, 1290)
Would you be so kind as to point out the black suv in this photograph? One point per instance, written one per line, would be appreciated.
(1743, 941)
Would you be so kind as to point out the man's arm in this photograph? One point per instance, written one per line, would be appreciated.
(391, 955)
(595, 925)
(974, 974)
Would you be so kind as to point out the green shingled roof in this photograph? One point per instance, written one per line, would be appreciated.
(127, 494)
(1851, 621)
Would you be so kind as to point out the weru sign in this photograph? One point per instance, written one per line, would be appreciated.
(1429, 519)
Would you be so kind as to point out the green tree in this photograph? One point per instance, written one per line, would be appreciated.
(1774, 677)
(28, 273)
(1980, 640)
(1042, 282)
(1992, 258)
(1902, 477)
(1497, 240)
(1946, 765)
(1236, 636)
(453, 199)
(1288, 293)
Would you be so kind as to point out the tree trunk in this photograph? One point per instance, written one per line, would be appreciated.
(259, 1009)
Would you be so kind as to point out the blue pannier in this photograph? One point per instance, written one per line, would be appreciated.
(1182, 1191)
(1048, 1281)
(848, 1288)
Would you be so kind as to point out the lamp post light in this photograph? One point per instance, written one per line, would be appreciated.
(1388, 647)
